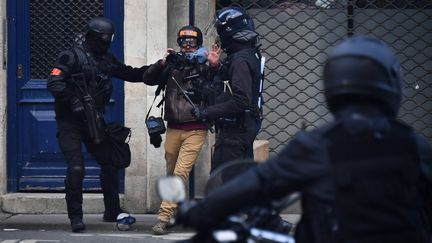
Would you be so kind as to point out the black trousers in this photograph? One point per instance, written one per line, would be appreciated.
(71, 135)
(234, 141)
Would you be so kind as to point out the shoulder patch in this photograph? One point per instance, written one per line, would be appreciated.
(56, 72)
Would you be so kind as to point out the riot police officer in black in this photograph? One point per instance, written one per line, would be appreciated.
(363, 177)
(237, 109)
(87, 68)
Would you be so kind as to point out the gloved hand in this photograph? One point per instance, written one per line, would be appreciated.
(77, 106)
(200, 113)
(193, 214)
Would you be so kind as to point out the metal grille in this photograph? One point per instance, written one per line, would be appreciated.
(296, 35)
(55, 26)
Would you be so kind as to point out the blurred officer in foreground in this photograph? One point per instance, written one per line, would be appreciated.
(81, 84)
(363, 177)
(238, 107)
(185, 76)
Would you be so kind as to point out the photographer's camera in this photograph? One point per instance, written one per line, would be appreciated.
(155, 127)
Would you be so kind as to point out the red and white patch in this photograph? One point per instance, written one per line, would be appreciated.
(56, 72)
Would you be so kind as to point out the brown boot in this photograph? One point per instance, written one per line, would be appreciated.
(160, 228)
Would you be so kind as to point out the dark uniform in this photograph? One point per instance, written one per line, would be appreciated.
(89, 67)
(363, 177)
(236, 113)
(237, 110)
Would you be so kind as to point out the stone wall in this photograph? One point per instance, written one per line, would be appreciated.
(145, 41)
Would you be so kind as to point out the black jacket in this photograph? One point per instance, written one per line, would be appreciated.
(363, 178)
(241, 71)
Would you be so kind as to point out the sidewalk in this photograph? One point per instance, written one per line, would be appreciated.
(50, 222)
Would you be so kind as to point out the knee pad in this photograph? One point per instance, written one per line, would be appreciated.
(108, 170)
(75, 175)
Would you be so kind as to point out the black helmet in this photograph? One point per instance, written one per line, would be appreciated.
(100, 33)
(190, 31)
(363, 67)
(233, 23)
(101, 25)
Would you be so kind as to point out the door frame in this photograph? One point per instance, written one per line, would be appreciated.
(113, 9)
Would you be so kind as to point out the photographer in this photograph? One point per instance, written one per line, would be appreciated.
(184, 75)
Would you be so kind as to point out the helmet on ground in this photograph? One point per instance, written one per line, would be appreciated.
(363, 68)
(100, 33)
(125, 221)
(233, 23)
(189, 35)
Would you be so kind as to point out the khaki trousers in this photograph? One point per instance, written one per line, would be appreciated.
(181, 151)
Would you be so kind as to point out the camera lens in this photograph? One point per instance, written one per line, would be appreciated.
(156, 140)
(152, 124)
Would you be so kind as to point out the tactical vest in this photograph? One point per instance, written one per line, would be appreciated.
(376, 177)
(253, 59)
(91, 75)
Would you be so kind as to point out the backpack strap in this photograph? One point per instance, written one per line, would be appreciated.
(258, 85)
(80, 54)
(85, 64)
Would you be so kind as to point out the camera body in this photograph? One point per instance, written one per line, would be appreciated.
(155, 127)
(178, 60)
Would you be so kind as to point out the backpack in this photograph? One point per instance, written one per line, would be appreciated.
(114, 150)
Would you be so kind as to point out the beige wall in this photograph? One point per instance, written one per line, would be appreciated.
(145, 41)
(3, 97)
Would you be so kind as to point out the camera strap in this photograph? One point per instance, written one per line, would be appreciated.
(158, 91)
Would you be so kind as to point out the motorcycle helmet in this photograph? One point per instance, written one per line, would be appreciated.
(125, 221)
(363, 67)
(234, 24)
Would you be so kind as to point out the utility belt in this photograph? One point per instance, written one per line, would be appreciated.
(241, 121)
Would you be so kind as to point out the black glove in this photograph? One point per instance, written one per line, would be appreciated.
(77, 106)
(193, 214)
(200, 113)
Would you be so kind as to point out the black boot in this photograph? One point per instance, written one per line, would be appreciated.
(77, 225)
(112, 217)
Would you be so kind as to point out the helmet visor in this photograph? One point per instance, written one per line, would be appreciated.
(225, 15)
(106, 38)
(221, 18)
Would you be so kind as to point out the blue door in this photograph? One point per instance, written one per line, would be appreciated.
(37, 31)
